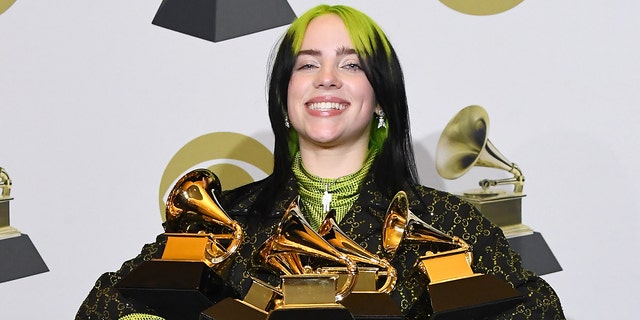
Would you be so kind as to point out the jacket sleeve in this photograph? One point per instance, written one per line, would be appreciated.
(492, 255)
(495, 256)
(104, 301)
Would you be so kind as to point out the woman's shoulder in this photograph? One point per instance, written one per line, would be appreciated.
(245, 189)
(442, 207)
(240, 200)
(436, 196)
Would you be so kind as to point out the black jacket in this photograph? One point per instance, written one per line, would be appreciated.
(363, 224)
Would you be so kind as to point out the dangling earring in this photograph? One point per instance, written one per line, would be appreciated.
(286, 121)
(381, 122)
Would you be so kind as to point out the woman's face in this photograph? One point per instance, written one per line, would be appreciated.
(330, 100)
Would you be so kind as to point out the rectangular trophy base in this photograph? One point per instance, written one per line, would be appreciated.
(505, 211)
(233, 309)
(311, 312)
(19, 258)
(372, 306)
(176, 289)
(471, 297)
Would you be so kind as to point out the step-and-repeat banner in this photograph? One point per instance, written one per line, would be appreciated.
(103, 109)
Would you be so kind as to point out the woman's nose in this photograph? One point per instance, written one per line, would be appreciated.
(328, 78)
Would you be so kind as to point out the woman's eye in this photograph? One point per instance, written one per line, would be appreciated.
(352, 66)
(306, 66)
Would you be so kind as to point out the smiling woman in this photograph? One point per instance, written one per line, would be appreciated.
(343, 152)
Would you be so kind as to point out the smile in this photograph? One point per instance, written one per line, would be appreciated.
(325, 106)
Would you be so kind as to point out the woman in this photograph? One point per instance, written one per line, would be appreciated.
(338, 109)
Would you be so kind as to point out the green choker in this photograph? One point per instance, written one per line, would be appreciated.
(318, 195)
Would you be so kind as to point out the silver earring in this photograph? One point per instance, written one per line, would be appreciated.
(381, 122)
(286, 122)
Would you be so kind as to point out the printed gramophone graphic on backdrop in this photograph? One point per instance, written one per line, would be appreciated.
(464, 144)
(6, 230)
(19, 257)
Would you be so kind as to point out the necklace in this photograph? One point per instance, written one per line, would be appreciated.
(326, 199)
(319, 195)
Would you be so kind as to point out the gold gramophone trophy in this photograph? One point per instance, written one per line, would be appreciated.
(367, 300)
(456, 292)
(186, 280)
(464, 144)
(19, 258)
(256, 305)
(306, 293)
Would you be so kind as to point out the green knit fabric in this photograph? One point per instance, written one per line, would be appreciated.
(344, 190)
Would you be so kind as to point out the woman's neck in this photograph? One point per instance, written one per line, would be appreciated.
(333, 163)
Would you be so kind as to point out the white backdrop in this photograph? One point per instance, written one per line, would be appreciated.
(95, 100)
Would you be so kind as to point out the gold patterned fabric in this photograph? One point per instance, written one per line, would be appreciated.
(141, 316)
(362, 223)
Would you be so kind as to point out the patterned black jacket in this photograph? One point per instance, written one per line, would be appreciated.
(363, 223)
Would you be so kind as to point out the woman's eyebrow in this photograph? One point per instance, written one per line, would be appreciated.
(341, 51)
(344, 51)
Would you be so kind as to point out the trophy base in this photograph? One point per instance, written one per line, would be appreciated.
(504, 210)
(233, 309)
(196, 18)
(372, 306)
(311, 312)
(176, 289)
(20, 258)
(535, 253)
(471, 297)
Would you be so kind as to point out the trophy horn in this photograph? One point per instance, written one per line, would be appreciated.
(197, 193)
(331, 232)
(464, 143)
(295, 237)
(402, 225)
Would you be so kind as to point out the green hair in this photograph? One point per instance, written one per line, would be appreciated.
(361, 28)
